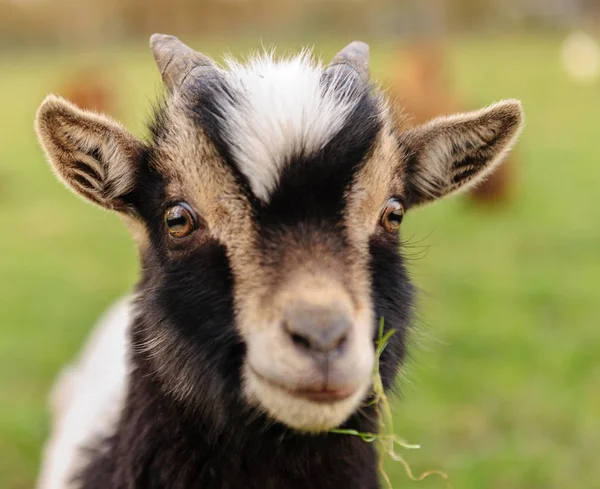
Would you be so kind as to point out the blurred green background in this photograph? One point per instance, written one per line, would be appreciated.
(503, 387)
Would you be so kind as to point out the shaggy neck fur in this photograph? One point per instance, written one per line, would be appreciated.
(159, 445)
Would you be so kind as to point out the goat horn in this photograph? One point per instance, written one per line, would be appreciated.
(352, 60)
(176, 61)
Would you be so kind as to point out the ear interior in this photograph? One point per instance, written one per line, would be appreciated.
(92, 154)
(449, 154)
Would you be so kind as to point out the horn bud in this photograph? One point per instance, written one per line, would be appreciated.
(351, 62)
(179, 64)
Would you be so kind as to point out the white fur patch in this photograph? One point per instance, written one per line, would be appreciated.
(87, 399)
(282, 109)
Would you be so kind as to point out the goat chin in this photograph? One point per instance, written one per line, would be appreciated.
(86, 399)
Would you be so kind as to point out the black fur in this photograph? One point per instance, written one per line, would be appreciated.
(212, 439)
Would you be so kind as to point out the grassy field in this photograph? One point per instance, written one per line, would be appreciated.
(503, 389)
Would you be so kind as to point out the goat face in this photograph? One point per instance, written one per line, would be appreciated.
(266, 208)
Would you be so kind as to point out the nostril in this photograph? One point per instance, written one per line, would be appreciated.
(301, 341)
(341, 343)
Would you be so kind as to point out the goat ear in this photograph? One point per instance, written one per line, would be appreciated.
(453, 153)
(92, 154)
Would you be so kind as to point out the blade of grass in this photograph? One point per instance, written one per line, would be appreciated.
(385, 438)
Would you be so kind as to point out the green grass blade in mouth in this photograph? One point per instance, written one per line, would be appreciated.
(385, 438)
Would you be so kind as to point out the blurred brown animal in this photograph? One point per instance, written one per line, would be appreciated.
(421, 86)
(88, 89)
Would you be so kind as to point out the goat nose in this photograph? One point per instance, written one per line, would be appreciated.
(317, 328)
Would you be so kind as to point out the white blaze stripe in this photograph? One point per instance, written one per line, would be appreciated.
(281, 109)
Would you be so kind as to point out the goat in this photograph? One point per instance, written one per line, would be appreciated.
(266, 207)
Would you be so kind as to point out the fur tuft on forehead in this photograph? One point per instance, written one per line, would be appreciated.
(268, 112)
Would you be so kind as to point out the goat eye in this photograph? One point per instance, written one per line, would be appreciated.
(392, 215)
(180, 220)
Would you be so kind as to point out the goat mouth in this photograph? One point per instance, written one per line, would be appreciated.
(321, 395)
(324, 396)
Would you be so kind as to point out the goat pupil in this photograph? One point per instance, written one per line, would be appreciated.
(176, 222)
(395, 217)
